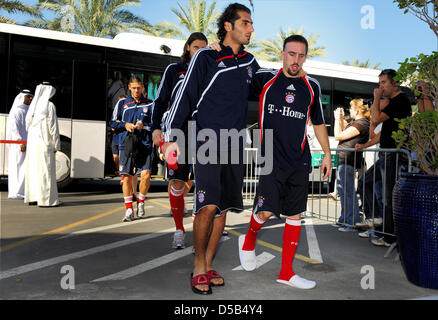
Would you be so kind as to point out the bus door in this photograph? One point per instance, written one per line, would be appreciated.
(89, 114)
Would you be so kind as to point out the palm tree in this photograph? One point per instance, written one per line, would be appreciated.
(99, 18)
(13, 6)
(251, 4)
(271, 48)
(162, 29)
(196, 16)
(364, 64)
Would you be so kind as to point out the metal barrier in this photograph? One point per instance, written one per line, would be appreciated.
(323, 204)
(373, 208)
(251, 174)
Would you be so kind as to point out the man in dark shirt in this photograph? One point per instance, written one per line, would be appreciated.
(215, 92)
(172, 79)
(133, 117)
(287, 99)
(399, 107)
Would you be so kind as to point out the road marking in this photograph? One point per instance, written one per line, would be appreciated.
(277, 248)
(60, 229)
(72, 225)
(159, 204)
(107, 227)
(312, 241)
(261, 260)
(155, 263)
(83, 253)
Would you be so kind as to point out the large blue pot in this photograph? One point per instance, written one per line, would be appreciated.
(415, 208)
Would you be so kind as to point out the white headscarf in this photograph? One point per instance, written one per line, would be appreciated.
(19, 99)
(38, 109)
(14, 129)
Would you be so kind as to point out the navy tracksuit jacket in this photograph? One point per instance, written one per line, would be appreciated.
(129, 111)
(215, 91)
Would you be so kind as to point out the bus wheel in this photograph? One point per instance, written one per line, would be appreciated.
(63, 165)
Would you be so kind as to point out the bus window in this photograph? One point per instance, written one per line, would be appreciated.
(326, 101)
(347, 90)
(89, 91)
(5, 105)
(152, 84)
(28, 72)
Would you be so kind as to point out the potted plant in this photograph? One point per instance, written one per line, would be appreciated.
(415, 195)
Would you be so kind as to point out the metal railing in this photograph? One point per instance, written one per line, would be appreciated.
(251, 174)
(325, 204)
(328, 206)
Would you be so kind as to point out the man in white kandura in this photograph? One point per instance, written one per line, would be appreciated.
(16, 134)
(42, 143)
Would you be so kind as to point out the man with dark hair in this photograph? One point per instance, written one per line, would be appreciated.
(288, 98)
(135, 145)
(215, 91)
(399, 107)
(296, 38)
(230, 15)
(172, 79)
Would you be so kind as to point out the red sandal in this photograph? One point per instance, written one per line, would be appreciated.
(200, 279)
(214, 275)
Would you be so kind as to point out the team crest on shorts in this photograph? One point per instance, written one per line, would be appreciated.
(260, 201)
(290, 98)
(171, 172)
(201, 196)
(145, 109)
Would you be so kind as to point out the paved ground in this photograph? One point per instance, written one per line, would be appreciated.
(45, 252)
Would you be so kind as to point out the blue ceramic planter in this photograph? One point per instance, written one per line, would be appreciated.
(415, 208)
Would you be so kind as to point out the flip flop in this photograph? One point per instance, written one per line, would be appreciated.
(200, 279)
(212, 274)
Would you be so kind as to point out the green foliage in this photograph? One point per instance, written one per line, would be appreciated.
(99, 18)
(14, 6)
(425, 10)
(360, 64)
(271, 48)
(423, 67)
(419, 134)
(195, 16)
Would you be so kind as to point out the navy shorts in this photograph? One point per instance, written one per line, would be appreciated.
(183, 173)
(282, 192)
(219, 185)
(115, 144)
(134, 166)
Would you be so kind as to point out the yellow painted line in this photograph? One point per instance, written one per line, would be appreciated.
(72, 225)
(60, 229)
(19, 243)
(277, 248)
(159, 204)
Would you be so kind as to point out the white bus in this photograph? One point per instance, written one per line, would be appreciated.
(82, 68)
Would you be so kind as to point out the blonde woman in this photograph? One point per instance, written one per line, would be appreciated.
(348, 135)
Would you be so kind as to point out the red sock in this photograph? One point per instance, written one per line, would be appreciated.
(128, 203)
(141, 198)
(255, 225)
(176, 199)
(291, 236)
